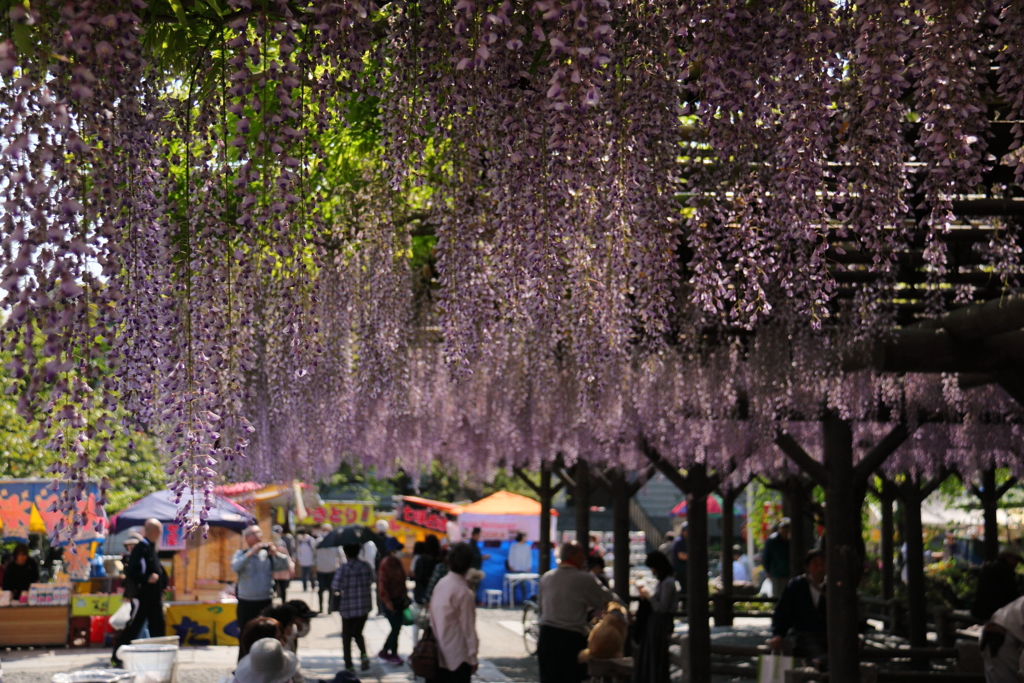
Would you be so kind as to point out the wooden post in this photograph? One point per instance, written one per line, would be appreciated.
(845, 487)
(545, 492)
(544, 552)
(990, 504)
(798, 522)
(723, 607)
(697, 575)
(621, 494)
(842, 531)
(581, 493)
(696, 484)
(917, 606)
(887, 550)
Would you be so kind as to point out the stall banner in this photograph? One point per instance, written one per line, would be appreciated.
(94, 605)
(203, 623)
(340, 513)
(31, 506)
(505, 527)
(172, 538)
(423, 516)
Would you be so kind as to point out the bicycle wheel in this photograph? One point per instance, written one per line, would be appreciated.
(531, 627)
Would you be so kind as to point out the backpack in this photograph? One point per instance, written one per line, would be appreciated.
(423, 661)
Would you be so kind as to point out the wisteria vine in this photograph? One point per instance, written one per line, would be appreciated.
(279, 234)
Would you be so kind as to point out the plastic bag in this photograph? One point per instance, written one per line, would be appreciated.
(122, 616)
(772, 668)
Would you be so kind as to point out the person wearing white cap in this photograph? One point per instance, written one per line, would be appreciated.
(267, 662)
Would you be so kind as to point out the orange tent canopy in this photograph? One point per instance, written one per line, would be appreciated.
(504, 503)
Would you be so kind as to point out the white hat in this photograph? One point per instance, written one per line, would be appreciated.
(267, 662)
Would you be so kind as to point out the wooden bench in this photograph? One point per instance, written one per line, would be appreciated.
(610, 670)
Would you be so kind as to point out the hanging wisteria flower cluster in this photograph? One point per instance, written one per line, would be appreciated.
(282, 233)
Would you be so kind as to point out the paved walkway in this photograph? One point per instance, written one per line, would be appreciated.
(503, 657)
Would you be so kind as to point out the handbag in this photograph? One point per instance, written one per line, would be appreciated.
(772, 668)
(424, 660)
(408, 618)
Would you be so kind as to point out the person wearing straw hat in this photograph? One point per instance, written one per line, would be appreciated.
(267, 662)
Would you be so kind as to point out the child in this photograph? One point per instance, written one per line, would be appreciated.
(352, 584)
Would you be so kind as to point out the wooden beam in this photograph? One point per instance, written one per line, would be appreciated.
(795, 452)
(882, 450)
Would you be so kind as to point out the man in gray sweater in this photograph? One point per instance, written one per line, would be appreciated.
(566, 595)
(255, 568)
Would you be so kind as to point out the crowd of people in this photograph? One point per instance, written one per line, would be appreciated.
(353, 578)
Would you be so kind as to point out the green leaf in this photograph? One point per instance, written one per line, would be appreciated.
(22, 34)
(179, 10)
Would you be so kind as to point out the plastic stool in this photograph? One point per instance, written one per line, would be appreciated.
(493, 597)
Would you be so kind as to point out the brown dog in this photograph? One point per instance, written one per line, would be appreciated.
(607, 639)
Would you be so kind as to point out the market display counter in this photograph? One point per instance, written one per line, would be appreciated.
(37, 625)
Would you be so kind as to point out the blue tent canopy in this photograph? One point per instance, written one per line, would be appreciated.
(161, 506)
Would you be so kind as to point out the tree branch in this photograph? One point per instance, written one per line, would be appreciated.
(526, 480)
(795, 452)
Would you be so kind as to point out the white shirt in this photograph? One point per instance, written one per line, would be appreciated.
(453, 620)
(1011, 617)
(739, 571)
(815, 591)
(520, 557)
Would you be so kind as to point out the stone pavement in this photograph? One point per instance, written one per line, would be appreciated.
(503, 656)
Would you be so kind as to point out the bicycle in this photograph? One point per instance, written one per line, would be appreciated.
(531, 626)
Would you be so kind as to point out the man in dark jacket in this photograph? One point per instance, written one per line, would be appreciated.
(775, 558)
(801, 610)
(997, 584)
(148, 575)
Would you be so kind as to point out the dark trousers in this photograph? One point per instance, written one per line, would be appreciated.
(557, 652)
(395, 619)
(352, 629)
(150, 608)
(281, 586)
(248, 610)
(324, 579)
(461, 675)
(307, 575)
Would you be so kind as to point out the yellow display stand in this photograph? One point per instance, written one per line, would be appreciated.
(203, 623)
(95, 605)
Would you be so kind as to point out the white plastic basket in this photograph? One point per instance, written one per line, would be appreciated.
(151, 663)
(95, 676)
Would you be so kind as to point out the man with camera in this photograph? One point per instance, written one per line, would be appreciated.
(255, 568)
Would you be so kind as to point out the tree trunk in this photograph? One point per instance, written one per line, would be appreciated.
(582, 495)
(990, 503)
(544, 553)
(886, 550)
(697, 576)
(842, 540)
(917, 606)
(620, 530)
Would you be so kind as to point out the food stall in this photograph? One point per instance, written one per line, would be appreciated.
(415, 518)
(28, 507)
(200, 567)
